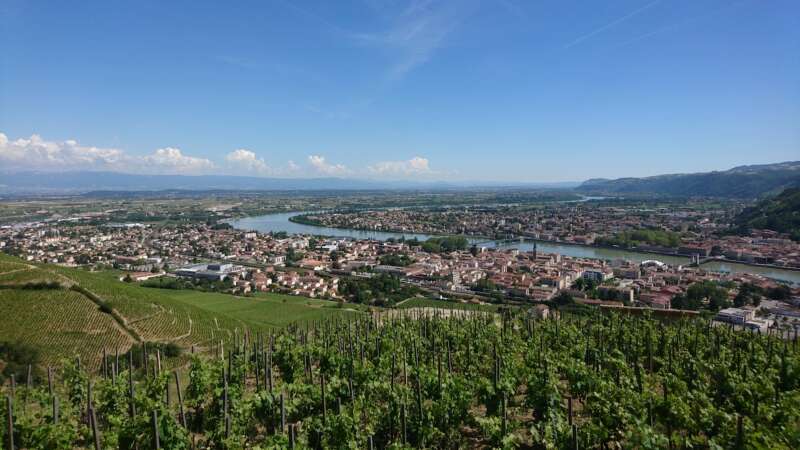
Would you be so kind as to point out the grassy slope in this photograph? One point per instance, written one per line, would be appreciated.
(443, 304)
(270, 310)
(8, 266)
(184, 317)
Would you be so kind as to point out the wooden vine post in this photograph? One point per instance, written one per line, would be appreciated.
(181, 412)
(156, 441)
(10, 421)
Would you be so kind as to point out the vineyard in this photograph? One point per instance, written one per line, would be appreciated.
(30, 316)
(66, 312)
(478, 380)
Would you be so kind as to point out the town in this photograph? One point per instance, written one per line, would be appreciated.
(689, 229)
(216, 256)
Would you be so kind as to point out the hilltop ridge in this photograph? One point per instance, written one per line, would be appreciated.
(751, 181)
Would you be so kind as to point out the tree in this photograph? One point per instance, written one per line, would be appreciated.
(396, 259)
(707, 292)
(291, 256)
(585, 284)
(563, 298)
(16, 357)
(780, 292)
(445, 244)
(485, 285)
(679, 301)
(749, 294)
(83, 259)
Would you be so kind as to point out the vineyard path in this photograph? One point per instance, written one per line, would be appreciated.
(184, 336)
(119, 321)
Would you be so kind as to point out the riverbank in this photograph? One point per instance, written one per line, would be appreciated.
(745, 263)
(710, 259)
(303, 219)
(608, 247)
(500, 242)
(282, 222)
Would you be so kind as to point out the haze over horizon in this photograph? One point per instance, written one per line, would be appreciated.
(400, 90)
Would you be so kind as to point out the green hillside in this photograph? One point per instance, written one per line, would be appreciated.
(64, 312)
(739, 182)
(780, 213)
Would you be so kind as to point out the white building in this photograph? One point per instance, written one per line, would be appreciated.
(735, 315)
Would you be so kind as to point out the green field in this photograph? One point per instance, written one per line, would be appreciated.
(418, 302)
(47, 318)
(18, 277)
(263, 309)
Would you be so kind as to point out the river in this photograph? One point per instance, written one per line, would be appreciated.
(280, 222)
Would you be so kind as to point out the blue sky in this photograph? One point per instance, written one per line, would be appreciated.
(505, 90)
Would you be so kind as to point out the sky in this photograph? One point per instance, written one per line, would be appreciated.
(484, 90)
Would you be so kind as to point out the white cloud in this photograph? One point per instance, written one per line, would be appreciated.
(414, 166)
(172, 160)
(36, 153)
(319, 164)
(247, 160)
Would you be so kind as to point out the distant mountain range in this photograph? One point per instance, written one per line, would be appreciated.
(78, 182)
(740, 182)
(45, 183)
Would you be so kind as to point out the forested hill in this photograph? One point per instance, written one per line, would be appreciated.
(739, 182)
(780, 213)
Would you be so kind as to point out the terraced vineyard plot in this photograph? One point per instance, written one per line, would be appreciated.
(186, 318)
(59, 323)
(10, 266)
(165, 314)
(153, 313)
(187, 324)
(132, 302)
